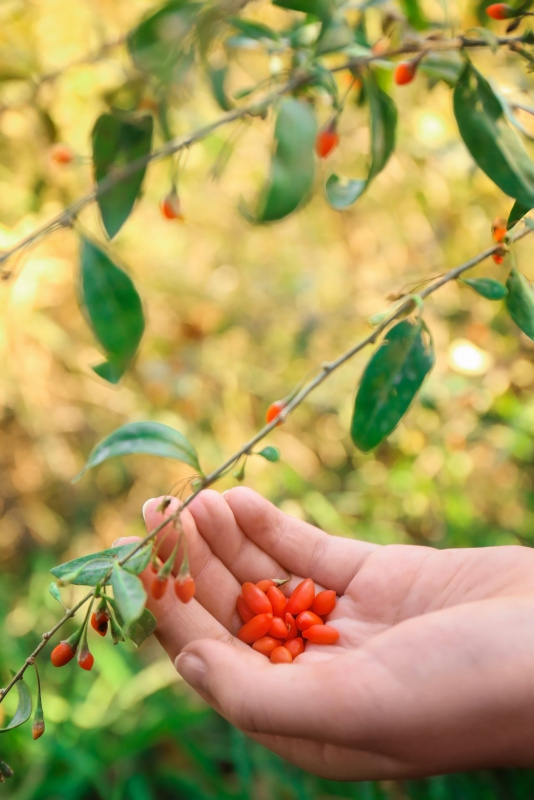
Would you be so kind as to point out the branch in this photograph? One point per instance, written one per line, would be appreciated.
(246, 449)
(299, 80)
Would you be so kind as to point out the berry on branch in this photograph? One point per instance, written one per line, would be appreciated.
(501, 11)
(327, 140)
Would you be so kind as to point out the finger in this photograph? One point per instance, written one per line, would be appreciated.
(331, 561)
(216, 587)
(217, 524)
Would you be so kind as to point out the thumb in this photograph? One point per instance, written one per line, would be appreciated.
(299, 700)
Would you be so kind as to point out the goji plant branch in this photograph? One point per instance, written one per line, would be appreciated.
(297, 81)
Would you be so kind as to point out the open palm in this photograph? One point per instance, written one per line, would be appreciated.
(433, 670)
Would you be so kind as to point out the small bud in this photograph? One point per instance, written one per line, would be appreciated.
(38, 728)
(170, 206)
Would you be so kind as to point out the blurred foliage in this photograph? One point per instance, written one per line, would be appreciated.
(236, 316)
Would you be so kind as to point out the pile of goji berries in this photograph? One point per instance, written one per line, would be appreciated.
(278, 626)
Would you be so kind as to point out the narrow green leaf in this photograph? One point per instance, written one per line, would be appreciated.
(162, 43)
(129, 594)
(494, 145)
(151, 438)
(217, 79)
(24, 707)
(141, 628)
(254, 30)
(516, 214)
(117, 142)
(319, 8)
(342, 192)
(390, 382)
(113, 309)
(520, 302)
(489, 288)
(92, 569)
(293, 162)
(54, 591)
(270, 454)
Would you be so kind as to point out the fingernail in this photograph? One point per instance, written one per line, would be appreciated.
(145, 506)
(192, 669)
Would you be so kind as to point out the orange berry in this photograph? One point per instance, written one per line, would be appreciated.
(295, 646)
(324, 602)
(302, 597)
(278, 600)
(498, 258)
(99, 621)
(274, 411)
(255, 628)
(243, 610)
(265, 584)
(185, 588)
(500, 11)
(266, 645)
(255, 599)
(86, 660)
(321, 634)
(404, 72)
(170, 206)
(62, 654)
(278, 628)
(62, 154)
(306, 619)
(159, 587)
(498, 230)
(281, 655)
(326, 141)
(38, 728)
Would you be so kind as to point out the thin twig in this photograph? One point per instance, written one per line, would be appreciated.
(326, 369)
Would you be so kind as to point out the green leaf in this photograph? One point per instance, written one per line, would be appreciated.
(152, 438)
(342, 192)
(293, 162)
(54, 591)
(254, 30)
(494, 145)
(270, 454)
(117, 142)
(516, 214)
(390, 382)
(92, 569)
(319, 8)
(24, 707)
(489, 288)
(162, 43)
(217, 78)
(141, 628)
(113, 309)
(446, 67)
(129, 594)
(520, 302)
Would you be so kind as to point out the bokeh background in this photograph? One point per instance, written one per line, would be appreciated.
(236, 316)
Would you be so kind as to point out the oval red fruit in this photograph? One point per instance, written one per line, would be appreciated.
(500, 11)
(265, 584)
(86, 660)
(255, 628)
(498, 258)
(321, 634)
(170, 207)
(404, 73)
(62, 154)
(158, 587)
(324, 602)
(281, 655)
(243, 610)
(185, 588)
(302, 597)
(306, 619)
(278, 628)
(256, 599)
(295, 646)
(62, 654)
(278, 600)
(38, 728)
(265, 645)
(291, 626)
(326, 141)
(274, 411)
(99, 621)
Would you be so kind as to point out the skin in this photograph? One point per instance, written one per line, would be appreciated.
(434, 668)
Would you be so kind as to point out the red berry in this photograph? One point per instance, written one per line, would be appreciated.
(62, 154)
(278, 600)
(99, 621)
(498, 230)
(38, 728)
(404, 72)
(158, 587)
(278, 628)
(274, 411)
(255, 628)
(86, 660)
(306, 619)
(326, 141)
(266, 645)
(281, 655)
(170, 206)
(498, 258)
(295, 646)
(500, 11)
(185, 588)
(255, 599)
(291, 626)
(321, 634)
(244, 611)
(324, 602)
(302, 597)
(265, 584)
(62, 654)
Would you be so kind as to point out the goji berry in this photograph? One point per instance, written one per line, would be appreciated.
(278, 628)
(255, 628)
(62, 654)
(295, 646)
(278, 600)
(498, 230)
(321, 634)
(100, 621)
(500, 11)
(158, 587)
(404, 73)
(170, 206)
(62, 154)
(255, 599)
(306, 619)
(498, 258)
(291, 626)
(244, 611)
(266, 645)
(185, 588)
(265, 584)
(302, 597)
(281, 655)
(86, 659)
(326, 141)
(38, 728)
(324, 602)
(274, 411)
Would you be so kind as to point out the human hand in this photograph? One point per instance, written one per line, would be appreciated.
(433, 670)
